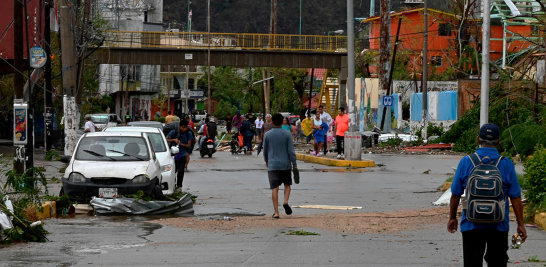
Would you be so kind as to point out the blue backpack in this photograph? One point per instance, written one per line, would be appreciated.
(484, 200)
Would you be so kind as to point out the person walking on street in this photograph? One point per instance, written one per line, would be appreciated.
(325, 117)
(286, 125)
(247, 134)
(307, 127)
(268, 125)
(341, 126)
(229, 120)
(318, 134)
(259, 125)
(490, 239)
(280, 158)
(184, 140)
(237, 121)
(169, 118)
(89, 126)
(189, 150)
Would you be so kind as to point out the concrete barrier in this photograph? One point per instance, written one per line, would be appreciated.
(49, 210)
(336, 162)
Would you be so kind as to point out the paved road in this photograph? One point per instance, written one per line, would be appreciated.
(227, 181)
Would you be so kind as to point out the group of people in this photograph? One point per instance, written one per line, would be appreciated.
(321, 127)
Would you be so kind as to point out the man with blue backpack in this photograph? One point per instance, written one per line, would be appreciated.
(487, 180)
(185, 140)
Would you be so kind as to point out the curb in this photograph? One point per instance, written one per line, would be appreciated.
(336, 162)
(540, 220)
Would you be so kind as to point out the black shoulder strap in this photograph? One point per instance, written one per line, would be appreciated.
(475, 159)
(496, 163)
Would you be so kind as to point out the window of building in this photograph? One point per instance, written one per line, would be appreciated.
(176, 84)
(444, 29)
(436, 61)
(191, 83)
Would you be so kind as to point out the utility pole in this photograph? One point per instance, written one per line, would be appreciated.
(48, 95)
(18, 62)
(208, 57)
(273, 23)
(372, 8)
(486, 39)
(29, 156)
(187, 82)
(353, 137)
(535, 109)
(353, 127)
(69, 59)
(170, 82)
(384, 45)
(300, 17)
(81, 66)
(425, 73)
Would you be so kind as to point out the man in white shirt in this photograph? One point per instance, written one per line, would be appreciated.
(325, 117)
(89, 126)
(259, 125)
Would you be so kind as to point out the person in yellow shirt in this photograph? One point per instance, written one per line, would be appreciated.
(169, 118)
(307, 127)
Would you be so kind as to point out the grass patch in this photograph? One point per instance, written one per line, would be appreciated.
(534, 258)
(52, 155)
(300, 232)
(450, 179)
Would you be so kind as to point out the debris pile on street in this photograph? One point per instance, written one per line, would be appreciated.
(116, 206)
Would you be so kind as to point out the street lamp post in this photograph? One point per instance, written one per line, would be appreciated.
(336, 32)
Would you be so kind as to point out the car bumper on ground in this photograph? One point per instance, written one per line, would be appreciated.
(90, 188)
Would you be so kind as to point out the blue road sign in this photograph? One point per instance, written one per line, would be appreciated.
(387, 101)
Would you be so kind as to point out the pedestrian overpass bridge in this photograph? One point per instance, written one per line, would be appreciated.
(226, 49)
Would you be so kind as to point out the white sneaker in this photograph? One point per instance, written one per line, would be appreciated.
(338, 156)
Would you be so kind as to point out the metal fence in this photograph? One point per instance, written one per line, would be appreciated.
(235, 41)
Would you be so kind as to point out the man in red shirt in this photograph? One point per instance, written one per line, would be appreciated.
(341, 126)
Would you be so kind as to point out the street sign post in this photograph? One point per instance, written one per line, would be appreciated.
(387, 101)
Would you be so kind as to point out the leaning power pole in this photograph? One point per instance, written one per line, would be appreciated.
(384, 44)
(69, 59)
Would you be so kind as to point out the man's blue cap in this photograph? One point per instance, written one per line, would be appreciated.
(238, 112)
(489, 131)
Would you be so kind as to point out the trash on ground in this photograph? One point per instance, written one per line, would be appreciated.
(114, 206)
(444, 199)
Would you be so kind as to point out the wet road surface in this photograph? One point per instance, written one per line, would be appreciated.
(228, 182)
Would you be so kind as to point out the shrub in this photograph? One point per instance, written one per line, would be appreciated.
(535, 178)
(160, 119)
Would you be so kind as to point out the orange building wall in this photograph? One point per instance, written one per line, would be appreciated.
(411, 36)
(512, 46)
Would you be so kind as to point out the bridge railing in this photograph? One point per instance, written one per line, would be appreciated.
(235, 41)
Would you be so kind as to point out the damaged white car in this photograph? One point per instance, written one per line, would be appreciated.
(109, 164)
